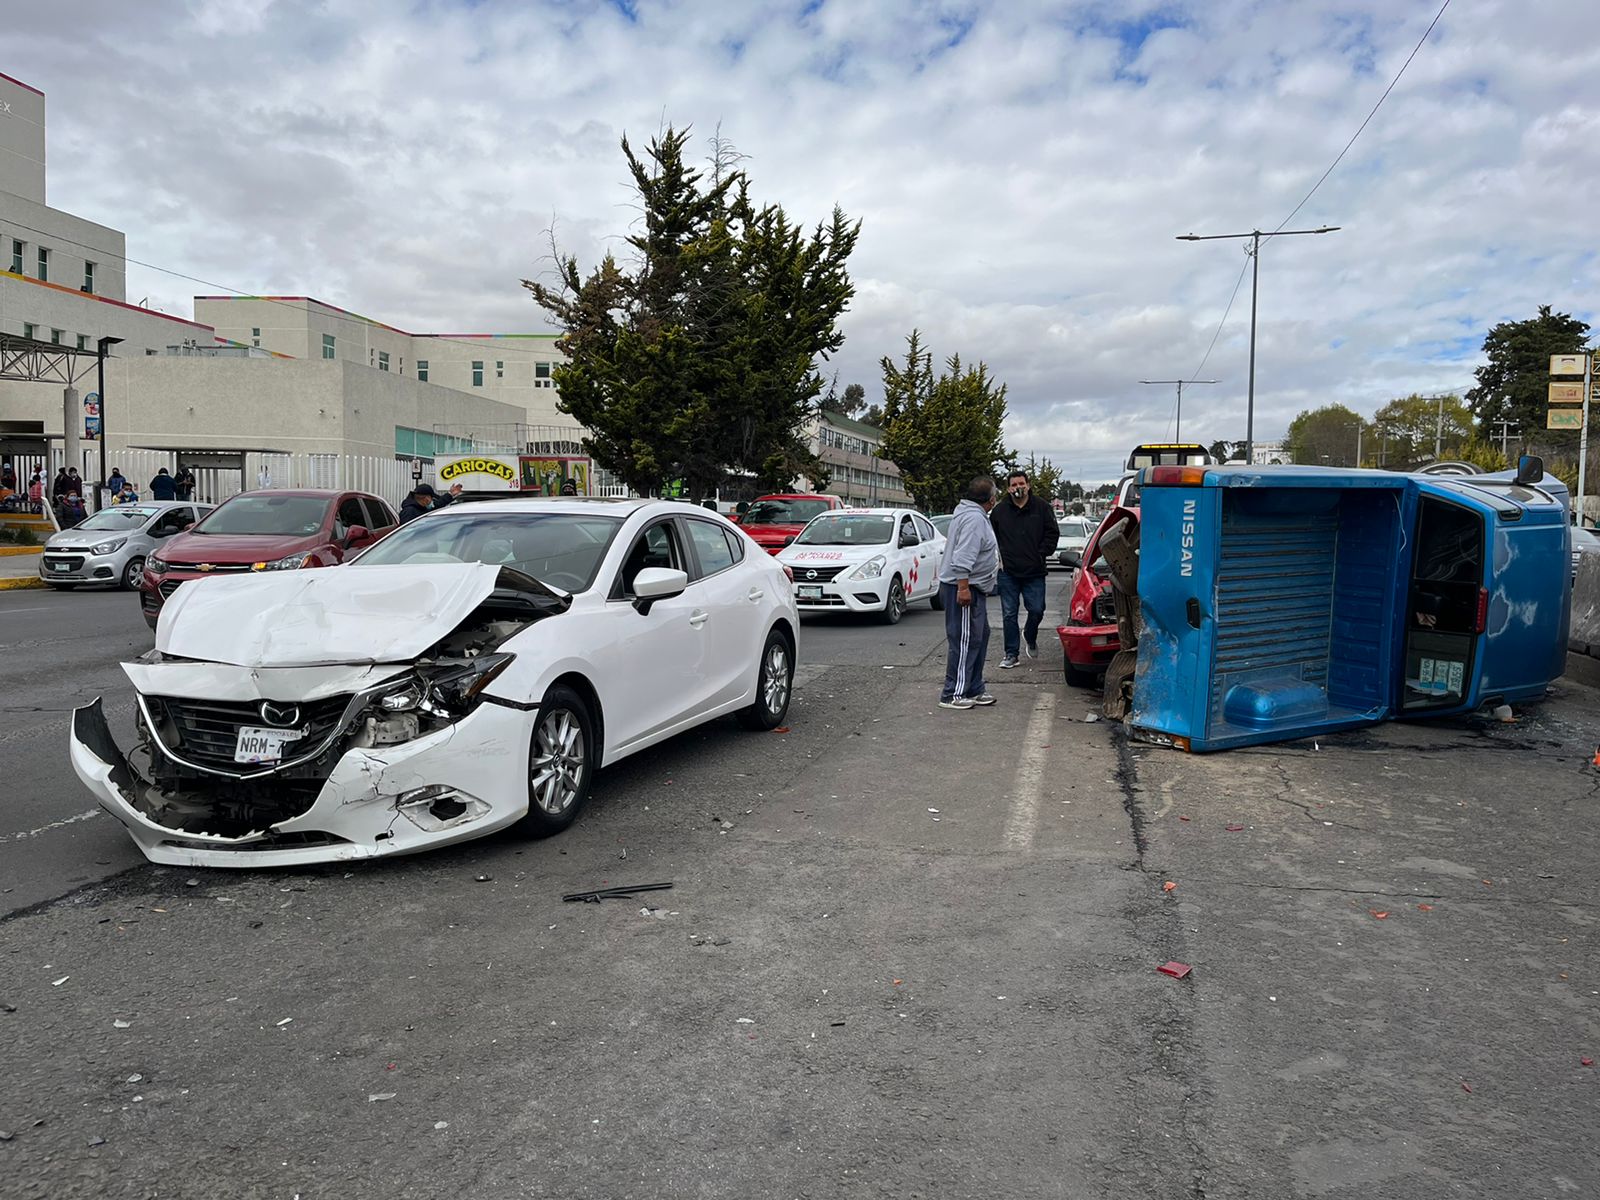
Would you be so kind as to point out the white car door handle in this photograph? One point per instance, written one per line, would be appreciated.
(754, 595)
(699, 617)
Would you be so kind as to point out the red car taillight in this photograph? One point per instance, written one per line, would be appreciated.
(1482, 621)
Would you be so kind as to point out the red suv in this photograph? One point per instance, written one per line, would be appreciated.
(776, 520)
(276, 530)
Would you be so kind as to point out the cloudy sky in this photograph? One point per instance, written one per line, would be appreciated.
(1022, 169)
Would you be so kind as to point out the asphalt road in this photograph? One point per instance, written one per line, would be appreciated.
(846, 993)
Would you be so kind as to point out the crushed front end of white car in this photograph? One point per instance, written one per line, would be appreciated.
(320, 716)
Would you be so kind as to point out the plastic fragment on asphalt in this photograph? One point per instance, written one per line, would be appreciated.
(1502, 712)
(781, 729)
(135, 1078)
(1176, 969)
(1586, 1062)
(1379, 916)
(1466, 1087)
(119, 1023)
(933, 810)
(744, 1021)
(1424, 908)
(285, 1021)
(1090, 718)
(1182, 818)
(60, 981)
(441, 1124)
(1168, 886)
(378, 1097)
(97, 1141)
(483, 879)
(1234, 828)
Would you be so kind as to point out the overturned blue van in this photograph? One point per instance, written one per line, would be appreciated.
(1284, 602)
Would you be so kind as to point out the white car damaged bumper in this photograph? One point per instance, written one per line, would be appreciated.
(461, 782)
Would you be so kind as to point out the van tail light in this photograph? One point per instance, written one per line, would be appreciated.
(1174, 476)
(1481, 622)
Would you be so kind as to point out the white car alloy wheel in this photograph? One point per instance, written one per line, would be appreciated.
(559, 765)
(895, 606)
(773, 686)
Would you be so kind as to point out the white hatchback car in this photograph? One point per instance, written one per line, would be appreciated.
(469, 672)
(875, 560)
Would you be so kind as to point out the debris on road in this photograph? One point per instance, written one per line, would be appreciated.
(1586, 1062)
(781, 729)
(1169, 886)
(285, 1021)
(744, 1021)
(1090, 718)
(60, 981)
(1234, 828)
(119, 1023)
(441, 1124)
(1378, 915)
(1176, 969)
(1466, 1087)
(613, 893)
(378, 1097)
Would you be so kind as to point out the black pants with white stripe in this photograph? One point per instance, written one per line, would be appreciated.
(967, 631)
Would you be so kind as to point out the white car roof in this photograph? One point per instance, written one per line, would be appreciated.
(594, 506)
(864, 512)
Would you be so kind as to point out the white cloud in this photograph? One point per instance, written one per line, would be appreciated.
(1022, 170)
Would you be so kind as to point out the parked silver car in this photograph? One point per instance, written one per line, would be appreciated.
(110, 547)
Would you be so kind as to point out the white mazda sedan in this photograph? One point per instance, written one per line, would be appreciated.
(469, 672)
(875, 560)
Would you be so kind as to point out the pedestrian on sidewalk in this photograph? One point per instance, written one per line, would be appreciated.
(8, 477)
(75, 482)
(966, 580)
(36, 492)
(72, 510)
(1027, 531)
(163, 486)
(184, 482)
(115, 482)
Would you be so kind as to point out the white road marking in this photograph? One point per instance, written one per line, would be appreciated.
(1028, 783)
(65, 821)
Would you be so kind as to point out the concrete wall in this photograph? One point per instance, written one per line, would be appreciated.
(50, 306)
(293, 406)
(295, 326)
(21, 139)
(1585, 629)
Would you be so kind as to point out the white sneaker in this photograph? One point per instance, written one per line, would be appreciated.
(986, 698)
(957, 702)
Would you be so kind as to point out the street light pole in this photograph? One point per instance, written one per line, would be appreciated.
(1255, 236)
(1177, 433)
(103, 345)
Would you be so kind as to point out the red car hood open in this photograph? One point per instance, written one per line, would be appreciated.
(236, 547)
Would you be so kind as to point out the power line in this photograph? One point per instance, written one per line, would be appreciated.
(1370, 115)
(349, 319)
(1340, 157)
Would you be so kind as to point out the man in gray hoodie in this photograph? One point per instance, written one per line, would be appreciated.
(967, 578)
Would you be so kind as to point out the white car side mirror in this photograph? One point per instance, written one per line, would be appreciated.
(657, 583)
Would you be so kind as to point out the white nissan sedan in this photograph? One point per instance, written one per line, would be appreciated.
(875, 560)
(469, 672)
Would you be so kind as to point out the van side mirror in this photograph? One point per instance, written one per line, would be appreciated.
(1530, 469)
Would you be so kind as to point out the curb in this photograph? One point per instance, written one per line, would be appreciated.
(26, 581)
(6, 551)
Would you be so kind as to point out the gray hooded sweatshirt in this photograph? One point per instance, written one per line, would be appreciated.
(970, 551)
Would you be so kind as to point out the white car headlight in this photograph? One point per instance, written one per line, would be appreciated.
(871, 569)
(108, 547)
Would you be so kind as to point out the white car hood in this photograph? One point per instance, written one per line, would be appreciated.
(349, 614)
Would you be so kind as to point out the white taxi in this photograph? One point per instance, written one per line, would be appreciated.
(860, 560)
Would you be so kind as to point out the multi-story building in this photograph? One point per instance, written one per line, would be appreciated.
(850, 451)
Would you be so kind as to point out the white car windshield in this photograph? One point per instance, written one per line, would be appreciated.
(560, 549)
(125, 517)
(297, 516)
(848, 529)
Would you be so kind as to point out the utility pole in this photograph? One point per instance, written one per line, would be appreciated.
(1359, 430)
(1177, 432)
(1505, 432)
(1255, 236)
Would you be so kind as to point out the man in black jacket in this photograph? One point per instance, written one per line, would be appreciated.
(423, 499)
(1027, 530)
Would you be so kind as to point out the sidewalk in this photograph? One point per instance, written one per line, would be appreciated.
(19, 567)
